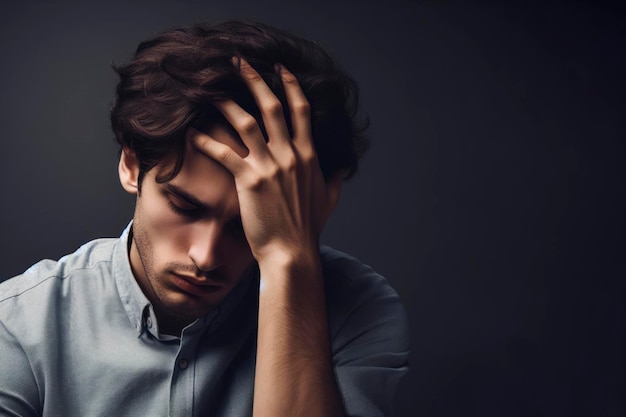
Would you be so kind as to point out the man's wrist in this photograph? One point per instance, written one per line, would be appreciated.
(295, 272)
(296, 260)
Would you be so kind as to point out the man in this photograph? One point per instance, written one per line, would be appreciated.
(217, 299)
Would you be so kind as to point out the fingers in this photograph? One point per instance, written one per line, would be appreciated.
(219, 151)
(269, 105)
(245, 124)
(299, 110)
(279, 141)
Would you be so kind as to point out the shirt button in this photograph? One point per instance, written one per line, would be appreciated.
(149, 322)
(183, 364)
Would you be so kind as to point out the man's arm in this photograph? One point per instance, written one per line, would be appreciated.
(284, 203)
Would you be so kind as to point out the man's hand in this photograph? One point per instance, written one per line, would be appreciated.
(283, 197)
(284, 203)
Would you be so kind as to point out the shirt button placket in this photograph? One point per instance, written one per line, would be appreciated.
(181, 400)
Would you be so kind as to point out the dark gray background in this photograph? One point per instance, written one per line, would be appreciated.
(492, 197)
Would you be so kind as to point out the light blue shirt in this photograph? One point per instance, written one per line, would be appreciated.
(79, 338)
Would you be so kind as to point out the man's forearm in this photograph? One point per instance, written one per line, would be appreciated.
(294, 369)
(284, 202)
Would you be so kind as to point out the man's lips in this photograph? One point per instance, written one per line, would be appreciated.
(194, 286)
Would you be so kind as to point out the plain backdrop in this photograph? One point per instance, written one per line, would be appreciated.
(492, 197)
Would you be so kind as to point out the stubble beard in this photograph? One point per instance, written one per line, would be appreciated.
(153, 287)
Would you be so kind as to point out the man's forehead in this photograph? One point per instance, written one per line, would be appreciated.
(199, 169)
(200, 176)
(194, 159)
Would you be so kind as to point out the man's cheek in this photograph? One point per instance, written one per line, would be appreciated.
(165, 228)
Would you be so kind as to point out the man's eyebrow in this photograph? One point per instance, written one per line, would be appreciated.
(180, 193)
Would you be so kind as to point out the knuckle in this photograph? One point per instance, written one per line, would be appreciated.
(302, 108)
(291, 162)
(274, 108)
(247, 125)
(308, 157)
(250, 74)
(273, 172)
(256, 183)
(260, 180)
(223, 154)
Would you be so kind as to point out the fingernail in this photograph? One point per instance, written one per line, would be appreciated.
(243, 62)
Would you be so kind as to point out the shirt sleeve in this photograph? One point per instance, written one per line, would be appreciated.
(370, 339)
(19, 395)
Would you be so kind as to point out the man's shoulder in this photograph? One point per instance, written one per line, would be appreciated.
(48, 273)
(346, 272)
(353, 285)
(365, 313)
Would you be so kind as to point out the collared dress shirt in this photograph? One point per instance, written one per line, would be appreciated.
(79, 338)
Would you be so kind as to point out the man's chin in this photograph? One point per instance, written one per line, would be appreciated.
(192, 305)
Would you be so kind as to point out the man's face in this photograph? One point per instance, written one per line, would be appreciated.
(189, 249)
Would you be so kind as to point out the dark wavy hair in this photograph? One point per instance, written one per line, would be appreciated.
(175, 77)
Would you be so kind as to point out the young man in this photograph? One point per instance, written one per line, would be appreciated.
(217, 299)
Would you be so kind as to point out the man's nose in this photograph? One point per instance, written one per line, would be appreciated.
(205, 250)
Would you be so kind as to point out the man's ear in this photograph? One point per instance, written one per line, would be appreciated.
(129, 171)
